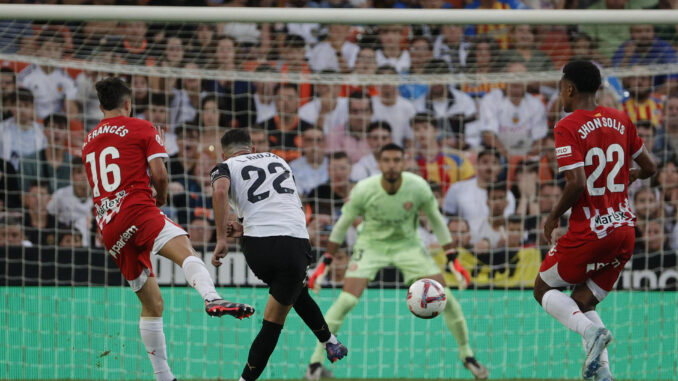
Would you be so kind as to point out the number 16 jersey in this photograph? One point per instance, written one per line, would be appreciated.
(263, 195)
(604, 141)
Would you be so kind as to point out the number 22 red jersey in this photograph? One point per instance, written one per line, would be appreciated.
(116, 155)
(605, 142)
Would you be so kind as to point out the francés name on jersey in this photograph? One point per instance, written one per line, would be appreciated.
(263, 195)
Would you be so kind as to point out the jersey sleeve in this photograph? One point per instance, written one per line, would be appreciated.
(219, 171)
(351, 209)
(430, 208)
(155, 147)
(567, 150)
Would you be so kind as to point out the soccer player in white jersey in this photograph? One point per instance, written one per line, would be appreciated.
(261, 190)
(390, 204)
(595, 147)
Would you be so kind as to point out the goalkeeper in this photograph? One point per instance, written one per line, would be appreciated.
(389, 204)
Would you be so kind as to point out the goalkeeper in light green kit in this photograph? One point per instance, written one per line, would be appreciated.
(389, 204)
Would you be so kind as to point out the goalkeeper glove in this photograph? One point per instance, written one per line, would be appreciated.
(455, 267)
(316, 279)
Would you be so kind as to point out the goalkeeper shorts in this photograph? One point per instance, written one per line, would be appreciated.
(133, 235)
(281, 262)
(411, 258)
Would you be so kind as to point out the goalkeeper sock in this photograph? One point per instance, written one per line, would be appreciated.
(310, 313)
(335, 317)
(198, 277)
(595, 319)
(456, 323)
(154, 340)
(261, 349)
(565, 310)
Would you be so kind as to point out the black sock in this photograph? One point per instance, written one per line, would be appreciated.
(310, 313)
(261, 349)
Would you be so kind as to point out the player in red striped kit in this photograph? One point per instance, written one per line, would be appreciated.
(594, 147)
(123, 156)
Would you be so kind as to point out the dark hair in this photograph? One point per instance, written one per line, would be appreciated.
(6, 70)
(644, 190)
(360, 96)
(338, 155)
(527, 165)
(58, 119)
(50, 35)
(285, 85)
(386, 69)
(644, 123)
(40, 184)
(112, 92)
(423, 117)
(489, 151)
(436, 66)
(160, 99)
(20, 95)
(584, 75)
(421, 38)
(264, 68)
(391, 147)
(76, 161)
(294, 41)
(497, 186)
(186, 129)
(471, 58)
(236, 136)
(380, 124)
(209, 98)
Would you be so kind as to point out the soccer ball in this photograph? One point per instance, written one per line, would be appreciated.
(426, 298)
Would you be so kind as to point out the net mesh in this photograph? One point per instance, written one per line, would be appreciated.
(309, 92)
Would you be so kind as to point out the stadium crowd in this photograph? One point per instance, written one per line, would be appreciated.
(486, 148)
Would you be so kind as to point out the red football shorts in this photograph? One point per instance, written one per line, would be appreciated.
(597, 263)
(133, 235)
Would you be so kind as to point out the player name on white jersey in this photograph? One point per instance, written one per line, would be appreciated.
(597, 123)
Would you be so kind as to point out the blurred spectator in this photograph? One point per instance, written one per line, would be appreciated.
(259, 140)
(285, 128)
(183, 162)
(483, 58)
(420, 53)
(512, 122)
(378, 135)
(7, 86)
(72, 204)
(643, 48)
(327, 109)
(609, 36)
(516, 236)
(335, 53)
(365, 65)
(93, 37)
(224, 55)
(158, 114)
(522, 49)
(39, 226)
(21, 134)
(209, 121)
(86, 94)
(262, 105)
(394, 109)
(548, 165)
(70, 238)
(647, 131)
(9, 187)
(451, 47)
(653, 255)
(666, 182)
(584, 49)
(500, 33)
(391, 53)
(142, 95)
(186, 98)
(668, 33)
(666, 141)
(134, 47)
(524, 188)
(11, 232)
(54, 90)
(201, 231)
(608, 98)
(203, 43)
(641, 104)
(468, 198)
(351, 137)
(328, 198)
(645, 205)
(319, 229)
(337, 273)
(493, 227)
(310, 170)
(444, 167)
(461, 232)
(293, 56)
(51, 164)
(452, 108)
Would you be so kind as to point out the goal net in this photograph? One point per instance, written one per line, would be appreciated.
(473, 103)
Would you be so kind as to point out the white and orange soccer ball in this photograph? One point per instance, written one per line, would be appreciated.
(426, 298)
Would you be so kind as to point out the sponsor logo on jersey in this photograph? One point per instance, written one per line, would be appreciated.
(159, 140)
(122, 241)
(564, 151)
(599, 265)
(408, 205)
